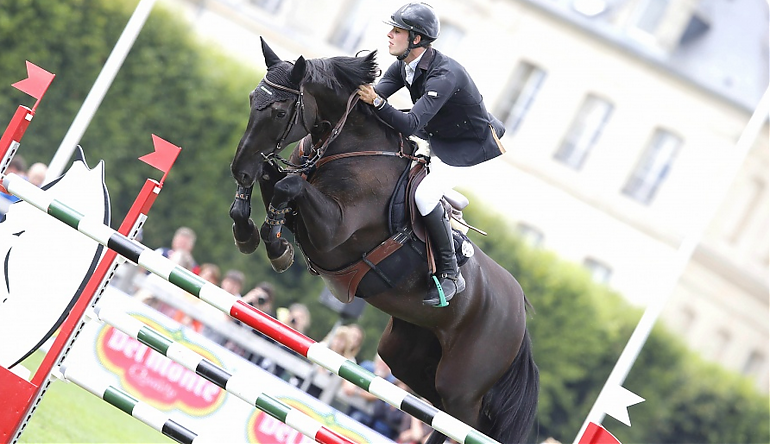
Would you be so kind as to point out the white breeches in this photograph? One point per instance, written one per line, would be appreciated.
(441, 179)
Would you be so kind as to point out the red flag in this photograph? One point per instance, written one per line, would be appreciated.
(37, 81)
(164, 156)
(596, 434)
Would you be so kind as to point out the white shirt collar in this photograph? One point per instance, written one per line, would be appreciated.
(411, 67)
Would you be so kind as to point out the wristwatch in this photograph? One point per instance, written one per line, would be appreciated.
(378, 102)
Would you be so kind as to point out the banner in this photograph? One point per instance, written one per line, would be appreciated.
(189, 399)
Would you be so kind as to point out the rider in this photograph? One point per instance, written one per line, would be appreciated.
(448, 112)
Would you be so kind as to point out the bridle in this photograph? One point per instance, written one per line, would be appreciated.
(298, 109)
(318, 150)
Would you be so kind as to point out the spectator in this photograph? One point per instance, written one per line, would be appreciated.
(17, 166)
(297, 316)
(36, 174)
(154, 285)
(412, 430)
(183, 240)
(262, 297)
(233, 282)
(357, 338)
(211, 273)
(386, 419)
(344, 340)
(379, 368)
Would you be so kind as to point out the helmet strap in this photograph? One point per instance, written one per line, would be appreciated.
(405, 54)
(412, 45)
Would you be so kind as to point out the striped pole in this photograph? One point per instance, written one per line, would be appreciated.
(132, 406)
(317, 353)
(241, 386)
(11, 138)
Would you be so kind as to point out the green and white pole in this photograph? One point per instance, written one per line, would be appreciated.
(241, 385)
(317, 353)
(132, 406)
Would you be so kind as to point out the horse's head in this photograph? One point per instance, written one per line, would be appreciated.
(294, 99)
(279, 115)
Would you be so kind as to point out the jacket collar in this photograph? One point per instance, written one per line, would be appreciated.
(425, 61)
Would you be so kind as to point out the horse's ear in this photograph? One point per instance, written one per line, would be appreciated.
(270, 57)
(298, 72)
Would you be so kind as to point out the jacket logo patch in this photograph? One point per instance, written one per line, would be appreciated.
(433, 93)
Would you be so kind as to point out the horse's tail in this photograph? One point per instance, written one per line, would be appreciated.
(511, 404)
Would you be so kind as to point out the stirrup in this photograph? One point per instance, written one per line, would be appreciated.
(443, 299)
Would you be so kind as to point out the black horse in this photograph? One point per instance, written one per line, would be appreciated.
(472, 359)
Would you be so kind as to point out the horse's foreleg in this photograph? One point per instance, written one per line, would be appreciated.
(244, 231)
(295, 194)
(279, 250)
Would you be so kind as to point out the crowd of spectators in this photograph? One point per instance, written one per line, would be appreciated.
(35, 175)
(345, 340)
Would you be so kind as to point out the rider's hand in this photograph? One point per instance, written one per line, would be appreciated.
(367, 94)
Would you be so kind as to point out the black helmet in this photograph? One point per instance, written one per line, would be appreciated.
(418, 18)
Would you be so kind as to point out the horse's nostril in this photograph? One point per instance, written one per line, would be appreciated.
(244, 179)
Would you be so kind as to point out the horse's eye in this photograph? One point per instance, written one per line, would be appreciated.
(281, 114)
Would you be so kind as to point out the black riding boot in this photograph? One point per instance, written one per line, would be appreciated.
(447, 272)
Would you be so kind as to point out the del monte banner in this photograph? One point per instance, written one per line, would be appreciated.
(189, 399)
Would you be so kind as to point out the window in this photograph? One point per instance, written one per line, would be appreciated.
(754, 364)
(531, 235)
(653, 167)
(523, 87)
(271, 6)
(599, 271)
(449, 38)
(648, 15)
(716, 346)
(687, 316)
(352, 28)
(584, 131)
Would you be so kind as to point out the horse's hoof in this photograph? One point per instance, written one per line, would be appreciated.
(284, 261)
(249, 245)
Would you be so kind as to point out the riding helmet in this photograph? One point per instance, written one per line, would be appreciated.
(418, 18)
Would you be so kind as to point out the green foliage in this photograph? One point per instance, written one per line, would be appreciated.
(173, 86)
(169, 85)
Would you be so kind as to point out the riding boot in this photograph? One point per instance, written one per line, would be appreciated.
(447, 271)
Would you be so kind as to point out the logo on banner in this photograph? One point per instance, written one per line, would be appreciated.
(264, 429)
(154, 378)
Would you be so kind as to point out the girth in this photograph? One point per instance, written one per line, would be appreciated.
(343, 283)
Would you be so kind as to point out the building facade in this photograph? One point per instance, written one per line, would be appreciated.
(623, 124)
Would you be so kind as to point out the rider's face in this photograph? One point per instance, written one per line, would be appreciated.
(398, 40)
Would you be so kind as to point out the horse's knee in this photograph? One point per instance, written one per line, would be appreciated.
(288, 188)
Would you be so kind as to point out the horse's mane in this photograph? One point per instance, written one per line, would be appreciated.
(342, 73)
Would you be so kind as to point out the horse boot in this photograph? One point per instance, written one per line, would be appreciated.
(448, 276)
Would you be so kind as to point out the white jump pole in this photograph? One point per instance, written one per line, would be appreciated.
(684, 254)
(99, 89)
